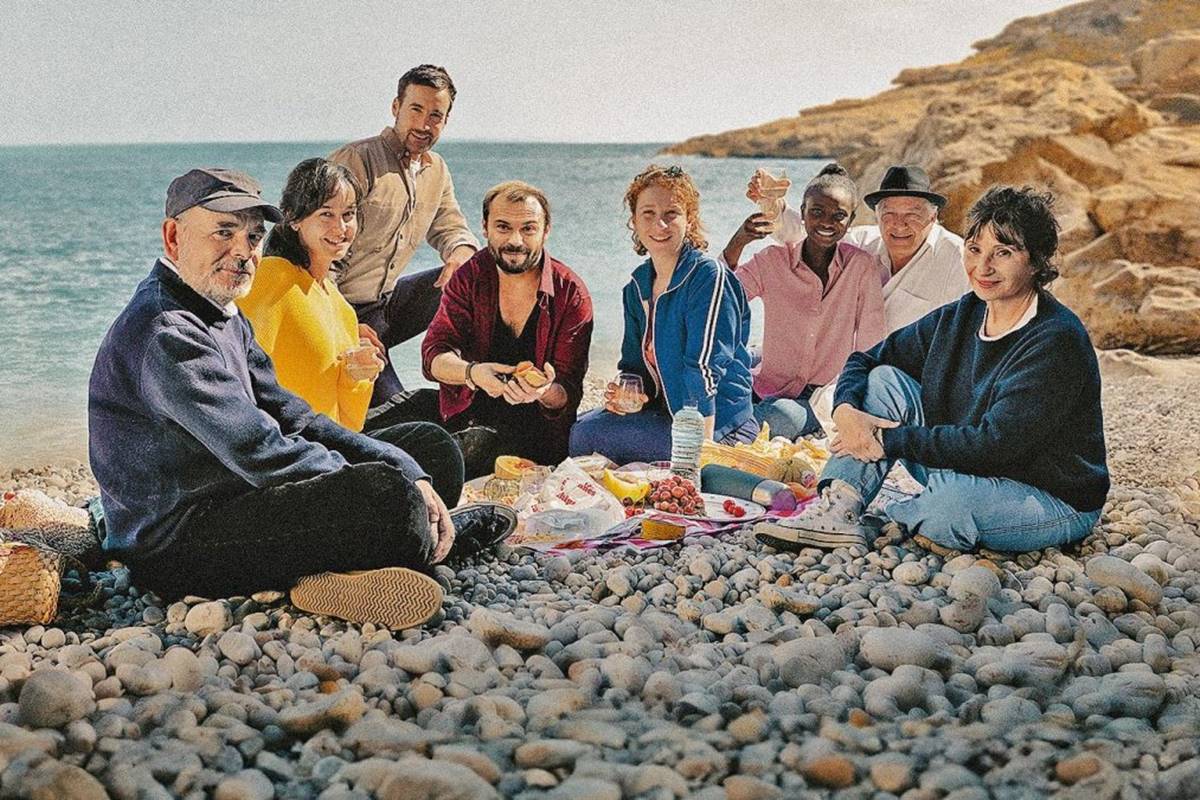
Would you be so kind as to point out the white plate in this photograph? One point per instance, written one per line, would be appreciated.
(716, 513)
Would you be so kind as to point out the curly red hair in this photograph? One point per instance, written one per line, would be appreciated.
(683, 190)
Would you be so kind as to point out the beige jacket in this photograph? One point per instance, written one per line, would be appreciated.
(398, 212)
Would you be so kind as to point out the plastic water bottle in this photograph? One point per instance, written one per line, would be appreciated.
(687, 435)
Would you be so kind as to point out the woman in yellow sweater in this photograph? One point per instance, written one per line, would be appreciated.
(299, 317)
(322, 354)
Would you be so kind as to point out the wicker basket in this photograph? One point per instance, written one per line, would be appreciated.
(30, 579)
(738, 458)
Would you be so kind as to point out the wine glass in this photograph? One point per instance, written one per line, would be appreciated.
(502, 490)
(771, 191)
(362, 360)
(629, 392)
(533, 478)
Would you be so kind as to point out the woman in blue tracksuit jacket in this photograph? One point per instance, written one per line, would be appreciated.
(686, 326)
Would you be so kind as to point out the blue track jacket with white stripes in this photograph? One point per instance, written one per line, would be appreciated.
(701, 326)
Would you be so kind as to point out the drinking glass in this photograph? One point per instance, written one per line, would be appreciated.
(771, 191)
(629, 392)
(533, 478)
(658, 470)
(362, 360)
(502, 490)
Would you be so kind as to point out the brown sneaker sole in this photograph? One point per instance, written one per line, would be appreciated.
(393, 597)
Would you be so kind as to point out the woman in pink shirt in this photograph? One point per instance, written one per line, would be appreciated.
(821, 297)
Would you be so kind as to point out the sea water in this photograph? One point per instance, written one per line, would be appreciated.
(80, 227)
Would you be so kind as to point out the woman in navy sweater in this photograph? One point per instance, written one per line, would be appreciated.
(992, 402)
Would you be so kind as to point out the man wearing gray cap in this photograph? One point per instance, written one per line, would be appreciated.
(214, 480)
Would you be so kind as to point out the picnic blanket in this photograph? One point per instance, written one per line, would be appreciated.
(628, 533)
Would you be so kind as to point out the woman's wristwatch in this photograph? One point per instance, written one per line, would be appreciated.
(470, 383)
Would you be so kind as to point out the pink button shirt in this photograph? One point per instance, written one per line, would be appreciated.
(808, 334)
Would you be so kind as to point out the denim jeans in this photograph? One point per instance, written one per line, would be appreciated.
(398, 316)
(956, 510)
(644, 436)
(364, 516)
(788, 417)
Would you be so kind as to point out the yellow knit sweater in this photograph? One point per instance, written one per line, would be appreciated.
(303, 325)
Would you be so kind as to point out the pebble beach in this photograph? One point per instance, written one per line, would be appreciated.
(714, 669)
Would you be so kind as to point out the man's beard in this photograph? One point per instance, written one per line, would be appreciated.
(533, 259)
(216, 288)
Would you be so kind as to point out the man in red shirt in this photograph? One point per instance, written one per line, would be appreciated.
(510, 303)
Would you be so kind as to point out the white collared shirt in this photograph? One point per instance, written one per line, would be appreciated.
(933, 277)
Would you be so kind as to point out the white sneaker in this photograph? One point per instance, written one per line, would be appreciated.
(832, 521)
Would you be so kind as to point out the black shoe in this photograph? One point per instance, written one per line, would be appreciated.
(479, 527)
(479, 446)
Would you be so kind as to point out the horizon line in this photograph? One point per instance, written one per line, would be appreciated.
(312, 141)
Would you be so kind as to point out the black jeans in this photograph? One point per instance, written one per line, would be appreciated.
(365, 516)
(398, 316)
(526, 435)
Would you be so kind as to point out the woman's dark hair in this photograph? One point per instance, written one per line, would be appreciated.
(1021, 218)
(309, 186)
(834, 175)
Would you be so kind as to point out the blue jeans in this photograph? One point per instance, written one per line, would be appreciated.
(956, 510)
(644, 436)
(789, 418)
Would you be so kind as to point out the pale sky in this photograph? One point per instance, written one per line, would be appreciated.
(577, 70)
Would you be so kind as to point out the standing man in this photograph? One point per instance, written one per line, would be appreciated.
(511, 306)
(409, 197)
(920, 262)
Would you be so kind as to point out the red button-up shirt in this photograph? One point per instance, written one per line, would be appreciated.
(467, 316)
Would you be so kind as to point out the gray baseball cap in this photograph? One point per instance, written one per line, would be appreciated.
(218, 190)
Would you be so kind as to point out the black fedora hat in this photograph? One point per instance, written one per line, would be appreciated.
(904, 180)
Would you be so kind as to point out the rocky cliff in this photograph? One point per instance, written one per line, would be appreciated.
(1100, 102)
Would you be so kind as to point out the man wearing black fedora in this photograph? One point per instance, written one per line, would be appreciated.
(920, 262)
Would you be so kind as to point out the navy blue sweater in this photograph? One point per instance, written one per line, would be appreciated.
(184, 407)
(1024, 407)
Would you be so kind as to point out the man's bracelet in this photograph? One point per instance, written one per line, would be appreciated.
(470, 383)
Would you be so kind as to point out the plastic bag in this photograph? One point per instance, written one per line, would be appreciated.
(569, 488)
